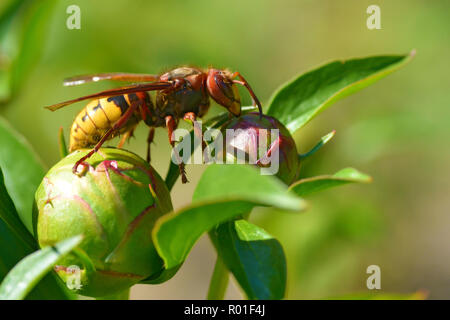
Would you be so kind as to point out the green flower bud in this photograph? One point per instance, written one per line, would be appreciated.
(114, 203)
(248, 131)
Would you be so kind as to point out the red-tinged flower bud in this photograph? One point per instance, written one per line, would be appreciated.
(114, 203)
(264, 141)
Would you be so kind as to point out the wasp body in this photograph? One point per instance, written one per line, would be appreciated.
(182, 93)
(99, 115)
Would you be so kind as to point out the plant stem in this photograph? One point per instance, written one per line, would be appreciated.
(219, 281)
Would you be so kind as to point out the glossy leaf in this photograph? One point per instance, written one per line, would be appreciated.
(9, 215)
(307, 186)
(17, 240)
(255, 258)
(223, 192)
(27, 273)
(162, 276)
(22, 171)
(12, 251)
(301, 99)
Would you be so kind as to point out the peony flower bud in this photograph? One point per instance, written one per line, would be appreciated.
(114, 203)
(253, 136)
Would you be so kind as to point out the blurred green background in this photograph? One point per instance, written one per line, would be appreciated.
(394, 130)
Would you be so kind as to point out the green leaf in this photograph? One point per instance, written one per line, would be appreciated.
(300, 100)
(17, 240)
(22, 170)
(319, 145)
(124, 295)
(162, 276)
(307, 186)
(12, 251)
(63, 152)
(22, 31)
(223, 192)
(255, 258)
(9, 215)
(27, 273)
(244, 182)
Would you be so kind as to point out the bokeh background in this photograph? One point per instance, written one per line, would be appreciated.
(396, 130)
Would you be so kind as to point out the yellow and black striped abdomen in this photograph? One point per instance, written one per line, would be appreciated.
(98, 117)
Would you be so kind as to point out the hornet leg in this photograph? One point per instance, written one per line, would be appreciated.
(151, 134)
(171, 126)
(120, 123)
(126, 137)
(244, 83)
(192, 117)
